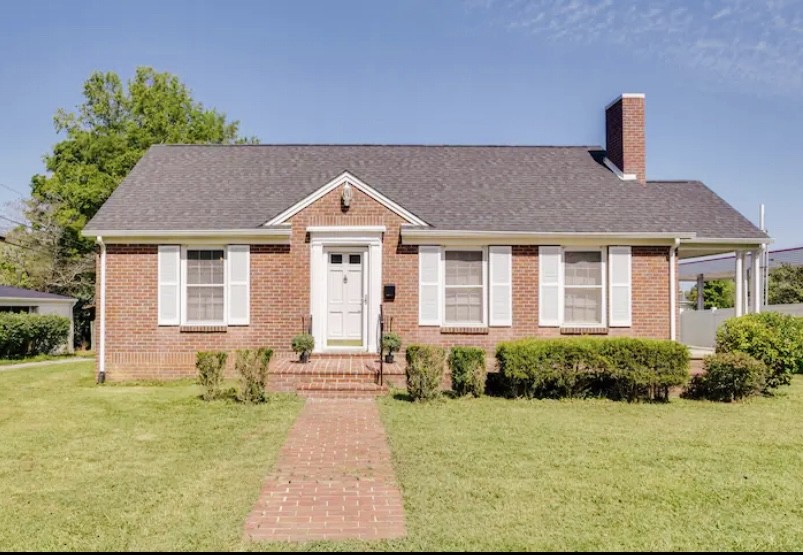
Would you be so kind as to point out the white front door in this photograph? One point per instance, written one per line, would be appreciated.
(345, 299)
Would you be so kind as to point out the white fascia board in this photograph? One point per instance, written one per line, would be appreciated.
(615, 169)
(739, 241)
(28, 301)
(334, 184)
(252, 236)
(624, 95)
(434, 236)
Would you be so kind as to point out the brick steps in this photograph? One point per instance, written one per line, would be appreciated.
(340, 389)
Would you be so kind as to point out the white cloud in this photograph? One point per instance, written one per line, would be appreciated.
(745, 43)
(724, 12)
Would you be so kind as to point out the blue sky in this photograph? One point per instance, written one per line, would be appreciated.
(724, 80)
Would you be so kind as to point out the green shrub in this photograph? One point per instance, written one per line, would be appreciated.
(618, 368)
(728, 377)
(644, 368)
(303, 343)
(774, 339)
(210, 366)
(425, 369)
(252, 366)
(467, 365)
(25, 335)
(391, 343)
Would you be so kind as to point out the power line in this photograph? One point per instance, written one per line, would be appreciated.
(68, 241)
(14, 221)
(13, 190)
(40, 251)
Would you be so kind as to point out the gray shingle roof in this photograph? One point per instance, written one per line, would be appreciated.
(503, 188)
(7, 292)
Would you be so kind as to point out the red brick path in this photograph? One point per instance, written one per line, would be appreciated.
(333, 480)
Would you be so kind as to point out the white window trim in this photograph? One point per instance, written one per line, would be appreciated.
(184, 285)
(484, 323)
(604, 263)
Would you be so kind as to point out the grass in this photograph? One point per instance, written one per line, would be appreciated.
(599, 475)
(84, 467)
(43, 358)
(151, 467)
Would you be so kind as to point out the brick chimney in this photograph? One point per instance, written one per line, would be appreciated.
(624, 136)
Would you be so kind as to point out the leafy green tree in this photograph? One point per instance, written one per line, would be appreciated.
(103, 139)
(111, 130)
(785, 285)
(719, 293)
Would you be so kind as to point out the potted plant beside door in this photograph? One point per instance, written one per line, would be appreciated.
(391, 343)
(303, 343)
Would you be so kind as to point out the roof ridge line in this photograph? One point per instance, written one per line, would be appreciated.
(420, 145)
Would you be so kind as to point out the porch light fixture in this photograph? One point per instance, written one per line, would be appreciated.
(347, 194)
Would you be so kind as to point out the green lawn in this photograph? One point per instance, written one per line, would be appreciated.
(600, 475)
(152, 467)
(84, 467)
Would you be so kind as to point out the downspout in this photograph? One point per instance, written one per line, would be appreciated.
(102, 307)
(673, 291)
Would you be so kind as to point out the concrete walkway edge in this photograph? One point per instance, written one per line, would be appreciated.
(56, 362)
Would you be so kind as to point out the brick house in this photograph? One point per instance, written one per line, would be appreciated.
(228, 247)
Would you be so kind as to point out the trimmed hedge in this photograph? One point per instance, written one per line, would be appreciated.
(424, 372)
(728, 377)
(25, 335)
(617, 368)
(467, 365)
(774, 339)
(210, 366)
(252, 366)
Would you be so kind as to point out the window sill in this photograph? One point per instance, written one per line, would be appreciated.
(202, 329)
(448, 330)
(584, 331)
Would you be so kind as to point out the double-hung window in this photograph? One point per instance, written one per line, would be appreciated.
(464, 288)
(206, 286)
(577, 285)
(583, 292)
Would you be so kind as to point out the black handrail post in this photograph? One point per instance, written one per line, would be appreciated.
(381, 335)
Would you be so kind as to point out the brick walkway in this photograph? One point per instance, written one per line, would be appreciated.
(333, 480)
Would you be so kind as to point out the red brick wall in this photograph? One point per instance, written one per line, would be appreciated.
(625, 136)
(136, 347)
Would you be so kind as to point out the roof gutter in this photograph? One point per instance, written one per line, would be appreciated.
(420, 236)
(729, 240)
(276, 235)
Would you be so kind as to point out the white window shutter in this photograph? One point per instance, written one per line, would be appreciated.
(169, 295)
(429, 286)
(549, 298)
(619, 262)
(239, 277)
(501, 285)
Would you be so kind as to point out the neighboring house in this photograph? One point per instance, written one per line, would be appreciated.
(14, 299)
(227, 247)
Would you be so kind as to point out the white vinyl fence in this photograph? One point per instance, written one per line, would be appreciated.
(699, 327)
